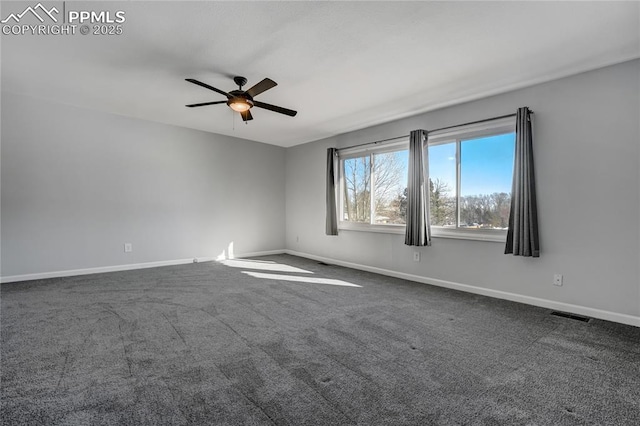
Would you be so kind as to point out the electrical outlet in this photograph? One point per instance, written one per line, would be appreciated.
(416, 256)
(128, 247)
(557, 279)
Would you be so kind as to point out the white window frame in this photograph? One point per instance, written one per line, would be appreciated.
(397, 144)
(457, 135)
(471, 131)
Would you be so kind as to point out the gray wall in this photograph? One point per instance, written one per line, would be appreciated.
(77, 184)
(587, 159)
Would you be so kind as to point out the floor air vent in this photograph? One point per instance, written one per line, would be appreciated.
(571, 316)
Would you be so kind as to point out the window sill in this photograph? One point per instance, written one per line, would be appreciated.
(457, 234)
(478, 235)
(365, 227)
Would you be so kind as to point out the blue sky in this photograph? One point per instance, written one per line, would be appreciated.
(487, 164)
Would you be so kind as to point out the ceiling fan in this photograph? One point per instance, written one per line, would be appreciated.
(242, 100)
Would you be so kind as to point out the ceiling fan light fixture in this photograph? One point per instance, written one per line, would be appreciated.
(239, 104)
(241, 101)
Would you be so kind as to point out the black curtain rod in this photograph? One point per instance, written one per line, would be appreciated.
(372, 143)
(471, 122)
(434, 130)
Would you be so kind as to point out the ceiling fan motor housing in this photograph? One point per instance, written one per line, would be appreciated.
(240, 81)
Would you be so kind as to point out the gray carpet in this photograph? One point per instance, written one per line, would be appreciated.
(210, 344)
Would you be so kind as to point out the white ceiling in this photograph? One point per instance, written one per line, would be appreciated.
(341, 65)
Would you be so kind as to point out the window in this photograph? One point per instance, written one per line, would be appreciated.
(374, 187)
(470, 175)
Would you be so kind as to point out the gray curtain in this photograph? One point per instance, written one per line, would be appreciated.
(418, 231)
(522, 236)
(332, 214)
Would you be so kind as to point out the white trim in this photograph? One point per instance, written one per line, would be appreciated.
(116, 268)
(366, 227)
(259, 253)
(529, 300)
(495, 236)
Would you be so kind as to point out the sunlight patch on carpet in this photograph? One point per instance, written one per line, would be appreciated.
(311, 280)
(263, 265)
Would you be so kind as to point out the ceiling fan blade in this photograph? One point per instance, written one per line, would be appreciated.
(206, 103)
(199, 83)
(274, 108)
(263, 86)
(246, 115)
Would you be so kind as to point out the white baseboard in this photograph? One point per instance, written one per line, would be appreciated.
(128, 267)
(529, 300)
(259, 253)
(544, 303)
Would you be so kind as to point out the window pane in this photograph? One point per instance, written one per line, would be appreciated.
(442, 184)
(390, 187)
(486, 170)
(357, 193)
